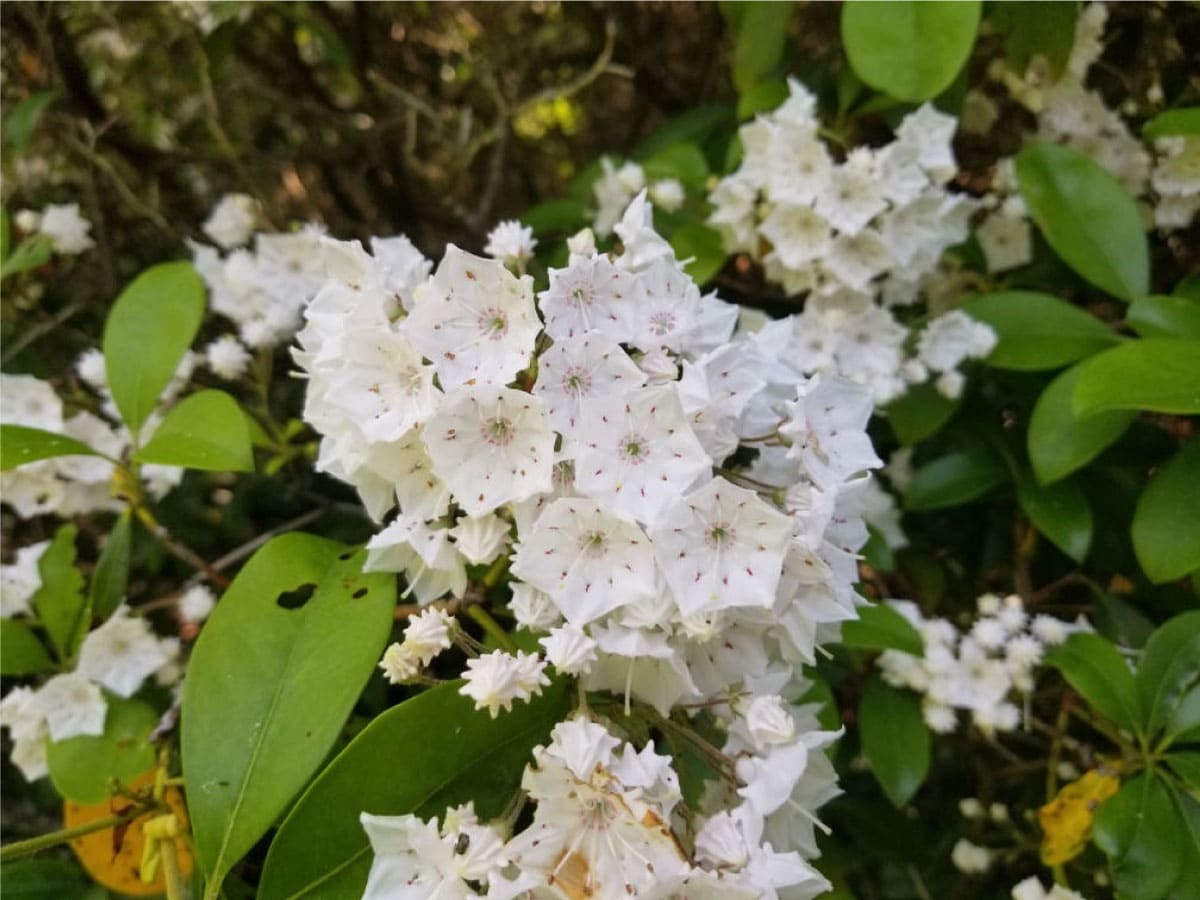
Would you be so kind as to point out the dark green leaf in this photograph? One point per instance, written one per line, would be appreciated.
(1183, 723)
(1087, 217)
(702, 246)
(1187, 765)
(955, 478)
(695, 125)
(1170, 665)
(20, 444)
(1155, 374)
(1166, 525)
(1189, 287)
(206, 430)
(21, 653)
(150, 327)
(395, 766)
(32, 252)
(1059, 443)
(919, 413)
(762, 31)
(1173, 122)
(1098, 672)
(1136, 828)
(556, 217)
(269, 687)
(894, 739)
(1037, 331)
(1121, 621)
(21, 122)
(1036, 28)
(683, 162)
(879, 627)
(762, 97)
(1187, 826)
(47, 878)
(910, 50)
(111, 575)
(1061, 512)
(1165, 316)
(59, 601)
(81, 767)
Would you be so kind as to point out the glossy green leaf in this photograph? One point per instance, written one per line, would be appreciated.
(150, 327)
(270, 684)
(695, 125)
(31, 253)
(894, 739)
(1165, 316)
(702, 247)
(21, 653)
(111, 576)
(81, 767)
(1087, 217)
(919, 413)
(1094, 668)
(1187, 765)
(1173, 122)
(1030, 28)
(1187, 827)
(20, 444)
(1183, 721)
(1121, 621)
(1036, 331)
(556, 217)
(1166, 525)
(1168, 668)
(1061, 512)
(1058, 442)
(910, 50)
(206, 430)
(880, 627)
(954, 479)
(59, 602)
(683, 162)
(1155, 374)
(762, 31)
(21, 121)
(1136, 827)
(394, 767)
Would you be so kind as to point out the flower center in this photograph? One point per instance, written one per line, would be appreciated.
(662, 323)
(634, 448)
(493, 323)
(719, 535)
(577, 380)
(497, 431)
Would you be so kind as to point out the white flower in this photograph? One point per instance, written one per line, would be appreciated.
(969, 858)
(1006, 240)
(474, 320)
(827, 426)
(533, 609)
(491, 446)
(66, 228)
(195, 604)
(768, 721)
(590, 294)
(72, 706)
(412, 861)
(721, 547)
(1049, 630)
(21, 580)
(642, 245)
(227, 357)
(577, 368)
(92, 368)
(638, 454)
(667, 194)
(496, 679)
(569, 650)
(22, 715)
(511, 242)
(121, 653)
(431, 564)
(587, 560)
(231, 221)
(852, 196)
(666, 306)
(480, 538)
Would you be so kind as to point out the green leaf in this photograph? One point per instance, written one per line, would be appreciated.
(1173, 122)
(1094, 668)
(683, 162)
(32, 252)
(1187, 764)
(47, 878)
(762, 32)
(21, 122)
(1059, 443)
(396, 766)
(919, 413)
(148, 330)
(880, 627)
(702, 246)
(1036, 28)
(1061, 512)
(268, 688)
(894, 739)
(910, 50)
(1170, 665)
(1187, 826)
(20, 444)
(80, 767)
(59, 601)
(762, 97)
(1166, 525)
(111, 575)
(954, 479)
(1121, 621)
(206, 430)
(1087, 217)
(21, 653)
(5, 233)
(556, 217)
(1183, 723)
(1165, 316)
(695, 125)
(1136, 828)
(1037, 331)
(1155, 374)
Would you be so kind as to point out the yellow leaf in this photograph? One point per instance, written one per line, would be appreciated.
(1067, 819)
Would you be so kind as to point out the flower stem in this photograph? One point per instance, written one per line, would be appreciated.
(17, 849)
(491, 627)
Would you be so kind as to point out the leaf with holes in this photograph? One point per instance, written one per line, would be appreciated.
(268, 687)
(394, 767)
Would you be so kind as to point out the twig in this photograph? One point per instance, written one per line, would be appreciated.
(45, 841)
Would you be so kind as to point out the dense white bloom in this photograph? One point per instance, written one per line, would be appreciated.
(496, 679)
(227, 357)
(121, 653)
(827, 428)
(576, 369)
(66, 228)
(231, 221)
(590, 294)
(72, 706)
(511, 242)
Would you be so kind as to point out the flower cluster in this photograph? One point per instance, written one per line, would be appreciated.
(679, 507)
(617, 185)
(857, 235)
(980, 670)
(65, 227)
